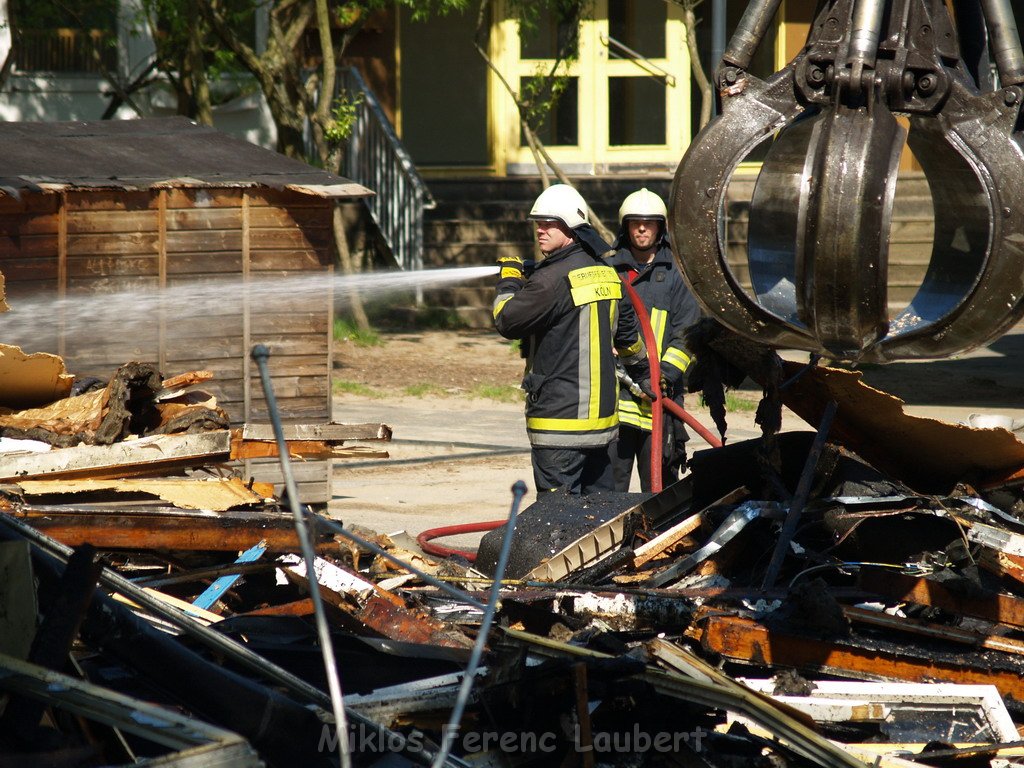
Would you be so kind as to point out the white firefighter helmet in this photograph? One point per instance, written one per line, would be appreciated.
(643, 204)
(560, 202)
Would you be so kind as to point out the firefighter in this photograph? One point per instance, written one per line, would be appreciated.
(644, 257)
(568, 315)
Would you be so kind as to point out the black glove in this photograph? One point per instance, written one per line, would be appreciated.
(512, 268)
(648, 390)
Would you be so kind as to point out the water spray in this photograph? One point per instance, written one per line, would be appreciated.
(195, 304)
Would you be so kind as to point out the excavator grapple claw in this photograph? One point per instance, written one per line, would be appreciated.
(821, 210)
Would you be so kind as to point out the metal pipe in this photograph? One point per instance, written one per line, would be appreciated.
(719, 11)
(260, 354)
(451, 729)
(750, 32)
(212, 639)
(867, 24)
(458, 594)
(1004, 41)
(796, 507)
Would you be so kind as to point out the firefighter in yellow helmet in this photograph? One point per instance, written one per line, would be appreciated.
(644, 257)
(569, 315)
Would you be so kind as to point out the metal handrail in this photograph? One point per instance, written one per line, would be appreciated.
(375, 158)
(640, 60)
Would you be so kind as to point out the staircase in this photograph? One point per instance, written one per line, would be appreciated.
(476, 220)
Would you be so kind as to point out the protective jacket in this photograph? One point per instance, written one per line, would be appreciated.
(672, 309)
(569, 315)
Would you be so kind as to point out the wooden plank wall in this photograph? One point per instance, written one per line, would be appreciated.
(205, 246)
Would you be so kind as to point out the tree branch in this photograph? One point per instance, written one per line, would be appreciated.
(540, 154)
(213, 10)
(696, 66)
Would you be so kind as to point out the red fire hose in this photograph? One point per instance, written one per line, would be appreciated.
(454, 530)
(426, 537)
(660, 403)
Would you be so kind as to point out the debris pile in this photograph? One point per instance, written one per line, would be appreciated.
(791, 601)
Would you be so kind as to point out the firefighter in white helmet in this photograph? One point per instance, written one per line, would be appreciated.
(644, 257)
(569, 315)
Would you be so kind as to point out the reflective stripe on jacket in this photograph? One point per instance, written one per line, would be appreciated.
(569, 316)
(672, 309)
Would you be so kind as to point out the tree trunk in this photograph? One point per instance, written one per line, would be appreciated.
(276, 70)
(201, 106)
(703, 84)
(540, 154)
(348, 268)
(321, 119)
(8, 35)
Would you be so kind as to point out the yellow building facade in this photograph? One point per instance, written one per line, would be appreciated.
(630, 103)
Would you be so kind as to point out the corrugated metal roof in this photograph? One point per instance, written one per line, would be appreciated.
(157, 152)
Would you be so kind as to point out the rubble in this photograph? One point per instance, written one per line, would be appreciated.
(789, 602)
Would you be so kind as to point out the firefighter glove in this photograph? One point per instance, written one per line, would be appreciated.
(512, 268)
(648, 390)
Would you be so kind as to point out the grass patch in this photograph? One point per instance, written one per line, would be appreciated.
(516, 345)
(437, 319)
(424, 390)
(346, 330)
(353, 388)
(736, 403)
(503, 393)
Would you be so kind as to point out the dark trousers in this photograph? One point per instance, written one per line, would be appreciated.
(575, 470)
(635, 445)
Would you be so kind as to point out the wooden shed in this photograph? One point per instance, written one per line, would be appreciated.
(168, 242)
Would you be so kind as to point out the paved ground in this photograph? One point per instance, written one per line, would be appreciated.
(454, 459)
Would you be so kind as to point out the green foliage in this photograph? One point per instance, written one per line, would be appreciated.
(739, 404)
(565, 13)
(354, 388)
(346, 330)
(539, 95)
(424, 9)
(346, 110)
(555, 24)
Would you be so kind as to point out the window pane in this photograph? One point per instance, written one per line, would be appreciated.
(560, 126)
(636, 111)
(548, 36)
(428, 130)
(71, 36)
(638, 24)
(763, 63)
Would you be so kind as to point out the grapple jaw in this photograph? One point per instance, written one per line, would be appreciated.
(821, 211)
